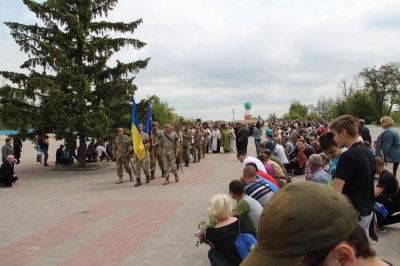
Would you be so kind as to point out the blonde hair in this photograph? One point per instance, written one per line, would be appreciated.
(300, 145)
(386, 121)
(220, 207)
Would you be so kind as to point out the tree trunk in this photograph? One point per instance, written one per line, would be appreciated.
(82, 150)
(390, 109)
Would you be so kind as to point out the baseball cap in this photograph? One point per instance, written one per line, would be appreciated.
(269, 131)
(300, 218)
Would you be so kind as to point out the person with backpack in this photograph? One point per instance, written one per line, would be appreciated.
(223, 235)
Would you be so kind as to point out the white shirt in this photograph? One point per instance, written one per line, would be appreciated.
(250, 159)
(99, 150)
(280, 152)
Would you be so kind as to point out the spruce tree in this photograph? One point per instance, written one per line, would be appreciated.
(68, 85)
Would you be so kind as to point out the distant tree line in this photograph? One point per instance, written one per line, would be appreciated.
(373, 93)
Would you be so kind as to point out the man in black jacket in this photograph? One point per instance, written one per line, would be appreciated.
(7, 176)
(364, 131)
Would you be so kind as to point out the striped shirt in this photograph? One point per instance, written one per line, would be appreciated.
(259, 190)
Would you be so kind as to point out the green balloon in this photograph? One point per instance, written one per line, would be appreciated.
(247, 106)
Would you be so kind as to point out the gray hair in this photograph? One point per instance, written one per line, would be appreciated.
(315, 159)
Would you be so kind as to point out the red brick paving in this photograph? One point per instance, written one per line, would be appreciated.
(112, 248)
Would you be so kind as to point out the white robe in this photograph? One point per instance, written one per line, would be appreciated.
(233, 140)
(215, 135)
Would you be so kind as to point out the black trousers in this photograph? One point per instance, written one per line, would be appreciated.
(393, 206)
(8, 181)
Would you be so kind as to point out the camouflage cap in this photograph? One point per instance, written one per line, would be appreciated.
(300, 218)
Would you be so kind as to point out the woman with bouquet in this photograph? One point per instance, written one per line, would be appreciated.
(221, 237)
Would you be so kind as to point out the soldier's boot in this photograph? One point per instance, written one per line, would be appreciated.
(162, 173)
(194, 160)
(120, 180)
(176, 177)
(152, 175)
(166, 180)
(130, 177)
(147, 179)
(187, 163)
(138, 182)
(198, 159)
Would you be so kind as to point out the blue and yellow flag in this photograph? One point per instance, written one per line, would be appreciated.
(149, 121)
(138, 146)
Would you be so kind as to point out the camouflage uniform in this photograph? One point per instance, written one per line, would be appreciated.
(158, 155)
(187, 138)
(198, 146)
(144, 163)
(205, 141)
(170, 149)
(121, 149)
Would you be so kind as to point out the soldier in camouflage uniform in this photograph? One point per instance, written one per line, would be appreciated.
(205, 131)
(170, 147)
(155, 144)
(179, 157)
(198, 144)
(122, 148)
(144, 163)
(187, 138)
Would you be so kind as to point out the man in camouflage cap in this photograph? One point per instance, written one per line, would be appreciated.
(170, 146)
(144, 163)
(306, 223)
(198, 144)
(121, 150)
(156, 149)
(187, 137)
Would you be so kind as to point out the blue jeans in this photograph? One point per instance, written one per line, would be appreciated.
(46, 154)
(257, 142)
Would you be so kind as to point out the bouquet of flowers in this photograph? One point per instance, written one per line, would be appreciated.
(201, 232)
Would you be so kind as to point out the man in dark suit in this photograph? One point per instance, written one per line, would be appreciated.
(7, 175)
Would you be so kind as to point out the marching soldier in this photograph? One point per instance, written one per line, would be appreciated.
(170, 147)
(156, 150)
(121, 150)
(198, 144)
(187, 137)
(144, 163)
(178, 131)
(207, 137)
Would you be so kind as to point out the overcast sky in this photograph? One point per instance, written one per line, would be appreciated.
(209, 57)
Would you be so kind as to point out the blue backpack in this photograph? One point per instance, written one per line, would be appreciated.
(378, 207)
(244, 243)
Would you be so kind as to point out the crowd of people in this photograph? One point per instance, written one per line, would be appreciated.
(338, 162)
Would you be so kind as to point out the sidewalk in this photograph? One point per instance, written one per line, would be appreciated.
(83, 218)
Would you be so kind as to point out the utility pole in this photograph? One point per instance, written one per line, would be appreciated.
(233, 114)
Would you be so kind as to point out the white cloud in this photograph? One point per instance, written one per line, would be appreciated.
(209, 57)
